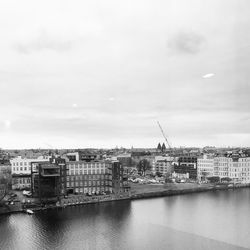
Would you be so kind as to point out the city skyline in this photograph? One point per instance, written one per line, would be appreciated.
(100, 75)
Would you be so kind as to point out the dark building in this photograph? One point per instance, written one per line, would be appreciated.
(48, 179)
(119, 179)
(125, 160)
(187, 164)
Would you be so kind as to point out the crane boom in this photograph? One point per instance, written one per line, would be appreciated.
(165, 137)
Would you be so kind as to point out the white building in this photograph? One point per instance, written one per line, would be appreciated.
(221, 166)
(205, 167)
(21, 165)
(239, 170)
(21, 171)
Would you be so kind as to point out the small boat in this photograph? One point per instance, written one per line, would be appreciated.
(28, 211)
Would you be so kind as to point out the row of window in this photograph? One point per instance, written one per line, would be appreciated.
(89, 177)
(21, 163)
(86, 165)
(92, 189)
(89, 171)
(89, 183)
(21, 181)
(21, 169)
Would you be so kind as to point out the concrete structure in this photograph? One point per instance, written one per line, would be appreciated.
(5, 177)
(205, 167)
(162, 165)
(48, 179)
(221, 165)
(239, 169)
(187, 165)
(21, 165)
(21, 171)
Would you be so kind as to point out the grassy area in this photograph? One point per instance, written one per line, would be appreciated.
(147, 188)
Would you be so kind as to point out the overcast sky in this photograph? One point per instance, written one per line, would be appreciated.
(101, 73)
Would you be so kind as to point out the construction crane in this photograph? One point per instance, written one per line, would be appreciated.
(165, 137)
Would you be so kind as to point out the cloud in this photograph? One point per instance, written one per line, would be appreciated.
(44, 41)
(186, 42)
(208, 75)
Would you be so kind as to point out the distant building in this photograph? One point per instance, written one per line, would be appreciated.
(205, 167)
(221, 166)
(162, 165)
(95, 177)
(48, 179)
(187, 165)
(5, 177)
(21, 171)
(239, 169)
(125, 160)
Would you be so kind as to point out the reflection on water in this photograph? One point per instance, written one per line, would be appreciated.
(213, 220)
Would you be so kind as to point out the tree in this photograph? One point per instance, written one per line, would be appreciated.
(226, 179)
(163, 148)
(143, 165)
(158, 174)
(214, 179)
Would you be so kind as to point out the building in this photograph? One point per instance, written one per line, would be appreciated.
(205, 167)
(48, 179)
(21, 171)
(59, 177)
(5, 177)
(95, 177)
(239, 169)
(221, 166)
(162, 165)
(125, 160)
(187, 165)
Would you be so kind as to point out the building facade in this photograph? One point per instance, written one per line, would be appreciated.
(21, 171)
(239, 169)
(187, 165)
(205, 167)
(162, 165)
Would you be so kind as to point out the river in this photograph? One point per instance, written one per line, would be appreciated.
(211, 220)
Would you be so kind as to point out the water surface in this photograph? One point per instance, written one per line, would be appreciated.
(212, 220)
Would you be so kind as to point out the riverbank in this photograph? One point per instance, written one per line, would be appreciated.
(148, 191)
(138, 191)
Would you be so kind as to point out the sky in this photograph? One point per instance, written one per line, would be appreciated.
(81, 74)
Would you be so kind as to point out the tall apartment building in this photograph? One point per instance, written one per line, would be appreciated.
(205, 167)
(221, 166)
(239, 169)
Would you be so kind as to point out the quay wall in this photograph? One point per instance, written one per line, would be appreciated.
(144, 195)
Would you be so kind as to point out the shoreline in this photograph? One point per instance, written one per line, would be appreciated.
(137, 196)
